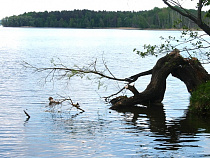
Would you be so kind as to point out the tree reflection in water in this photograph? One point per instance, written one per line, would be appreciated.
(143, 129)
(173, 134)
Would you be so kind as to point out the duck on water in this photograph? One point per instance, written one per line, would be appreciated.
(53, 101)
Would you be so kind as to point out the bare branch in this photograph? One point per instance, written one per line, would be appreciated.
(185, 13)
(199, 12)
(129, 87)
(135, 77)
(107, 68)
(83, 71)
(132, 89)
(106, 98)
(188, 15)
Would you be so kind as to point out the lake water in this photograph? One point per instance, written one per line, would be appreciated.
(62, 131)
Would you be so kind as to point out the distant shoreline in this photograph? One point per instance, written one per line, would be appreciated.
(134, 28)
(128, 20)
(117, 28)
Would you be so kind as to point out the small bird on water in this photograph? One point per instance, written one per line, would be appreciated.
(53, 101)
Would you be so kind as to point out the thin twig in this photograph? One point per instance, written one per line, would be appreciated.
(71, 102)
(79, 70)
(106, 98)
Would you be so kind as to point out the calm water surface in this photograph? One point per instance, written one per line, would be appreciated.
(62, 131)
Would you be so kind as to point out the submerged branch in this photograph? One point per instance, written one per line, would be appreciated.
(65, 99)
(26, 114)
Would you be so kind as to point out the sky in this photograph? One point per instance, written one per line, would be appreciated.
(16, 7)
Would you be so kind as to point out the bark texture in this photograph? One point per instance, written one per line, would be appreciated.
(190, 71)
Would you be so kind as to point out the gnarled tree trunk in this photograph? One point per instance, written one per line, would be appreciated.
(190, 71)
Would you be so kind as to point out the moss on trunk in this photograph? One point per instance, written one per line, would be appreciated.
(200, 100)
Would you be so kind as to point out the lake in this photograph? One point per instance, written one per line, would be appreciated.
(63, 131)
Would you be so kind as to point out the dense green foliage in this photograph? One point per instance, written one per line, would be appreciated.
(200, 100)
(157, 18)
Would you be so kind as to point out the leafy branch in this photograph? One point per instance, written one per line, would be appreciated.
(189, 41)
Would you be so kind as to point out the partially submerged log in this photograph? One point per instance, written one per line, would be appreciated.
(190, 71)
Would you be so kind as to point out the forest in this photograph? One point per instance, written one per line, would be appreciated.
(157, 18)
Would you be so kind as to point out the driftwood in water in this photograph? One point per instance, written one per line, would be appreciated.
(190, 71)
(54, 102)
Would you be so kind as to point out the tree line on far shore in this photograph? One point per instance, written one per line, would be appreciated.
(157, 18)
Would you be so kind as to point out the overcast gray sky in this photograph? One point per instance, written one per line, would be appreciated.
(16, 7)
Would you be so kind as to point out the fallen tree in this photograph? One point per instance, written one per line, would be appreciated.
(190, 71)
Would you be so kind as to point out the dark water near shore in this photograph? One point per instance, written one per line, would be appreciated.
(62, 131)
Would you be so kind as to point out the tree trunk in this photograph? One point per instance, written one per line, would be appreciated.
(190, 71)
